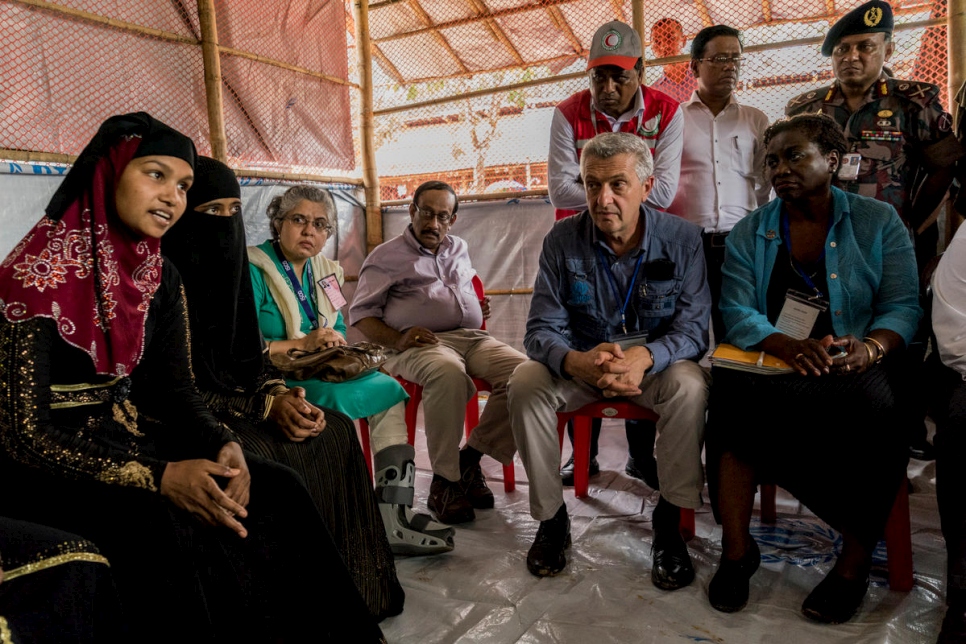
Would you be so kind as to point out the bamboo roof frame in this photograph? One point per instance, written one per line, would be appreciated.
(931, 22)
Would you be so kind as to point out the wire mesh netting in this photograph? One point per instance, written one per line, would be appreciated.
(533, 54)
(70, 65)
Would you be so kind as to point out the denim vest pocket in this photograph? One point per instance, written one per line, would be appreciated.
(657, 299)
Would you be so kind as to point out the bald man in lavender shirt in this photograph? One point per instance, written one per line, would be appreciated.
(416, 296)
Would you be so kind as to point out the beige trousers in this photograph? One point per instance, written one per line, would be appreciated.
(679, 394)
(445, 372)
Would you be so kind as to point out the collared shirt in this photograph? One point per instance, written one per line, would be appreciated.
(680, 92)
(869, 262)
(563, 166)
(722, 165)
(897, 121)
(949, 304)
(406, 285)
(575, 307)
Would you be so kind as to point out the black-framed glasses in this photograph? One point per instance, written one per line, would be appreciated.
(441, 217)
(320, 224)
(721, 60)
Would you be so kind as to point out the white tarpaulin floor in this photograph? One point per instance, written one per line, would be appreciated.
(482, 592)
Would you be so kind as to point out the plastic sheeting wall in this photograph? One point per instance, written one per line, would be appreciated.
(505, 238)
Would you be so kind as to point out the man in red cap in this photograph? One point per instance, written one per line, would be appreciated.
(617, 101)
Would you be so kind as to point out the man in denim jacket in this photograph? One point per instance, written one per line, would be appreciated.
(621, 272)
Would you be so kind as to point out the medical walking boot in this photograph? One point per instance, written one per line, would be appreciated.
(409, 533)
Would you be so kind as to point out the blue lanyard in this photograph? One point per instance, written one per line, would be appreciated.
(296, 286)
(613, 285)
(787, 235)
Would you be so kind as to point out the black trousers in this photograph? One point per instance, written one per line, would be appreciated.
(714, 256)
(950, 416)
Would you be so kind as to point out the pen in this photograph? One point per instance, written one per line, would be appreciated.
(761, 359)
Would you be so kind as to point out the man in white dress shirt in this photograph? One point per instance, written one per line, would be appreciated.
(721, 165)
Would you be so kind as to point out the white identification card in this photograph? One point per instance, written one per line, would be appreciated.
(330, 286)
(849, 170)
(627, 340)
(799, 313)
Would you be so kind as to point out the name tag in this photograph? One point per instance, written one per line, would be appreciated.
(627, 340)
(330, 286)
(849, 169)
(799, 313)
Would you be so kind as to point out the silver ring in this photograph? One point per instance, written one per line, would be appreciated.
(848, 367)
(799, 356)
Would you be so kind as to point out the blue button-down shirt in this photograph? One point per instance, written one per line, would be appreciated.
(575, 306)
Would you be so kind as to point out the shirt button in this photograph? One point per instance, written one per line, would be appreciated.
(834, 276)
(832, 244)
(839, 312)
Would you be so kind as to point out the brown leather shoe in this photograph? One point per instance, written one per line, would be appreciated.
(448, 501)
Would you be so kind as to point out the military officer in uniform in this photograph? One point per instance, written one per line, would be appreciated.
(902, 151)
(902, 148)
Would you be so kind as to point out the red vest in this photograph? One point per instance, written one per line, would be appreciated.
(659, 109)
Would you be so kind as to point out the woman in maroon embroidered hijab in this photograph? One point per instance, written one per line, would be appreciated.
(103, 433)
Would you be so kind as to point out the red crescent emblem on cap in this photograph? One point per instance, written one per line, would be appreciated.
(612, 40)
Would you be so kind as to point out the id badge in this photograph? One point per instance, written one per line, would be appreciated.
(799, 313)
(849, 168)
(330, 286)
(627, 340)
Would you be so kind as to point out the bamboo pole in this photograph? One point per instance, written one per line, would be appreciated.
(491, 196)
(369, 171)
(637, 18)
(292, 68)
(297, 177)
(956, 56)
(104, 20)
(212, 65)
(919, 24)
(27, 156)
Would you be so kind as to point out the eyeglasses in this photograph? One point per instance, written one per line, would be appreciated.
(302, 221)
(721, 60)
(441, 217)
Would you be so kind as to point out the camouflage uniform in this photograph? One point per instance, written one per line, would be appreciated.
(892, 131)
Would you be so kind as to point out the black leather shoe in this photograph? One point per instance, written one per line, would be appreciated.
(567, 471)
(672, 567)
(448, 502)
(547, 555)
(728, 591)
(835, 600)
(474, 486)
(644, 469)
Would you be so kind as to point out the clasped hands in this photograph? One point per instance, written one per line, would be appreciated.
(810, 357)
(191, 486)
(615, 371)
(293, 414)
(322, 338)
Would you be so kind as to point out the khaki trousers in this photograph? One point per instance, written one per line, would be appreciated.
(679, 394)
(445, 372)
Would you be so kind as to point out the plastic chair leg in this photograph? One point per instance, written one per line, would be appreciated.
(366, 448)
(899, 542)
(581, 455)
(686, 525)
(768, 513)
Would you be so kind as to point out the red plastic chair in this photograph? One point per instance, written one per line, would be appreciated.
(415, 392)
(606, 409)
(898, 535)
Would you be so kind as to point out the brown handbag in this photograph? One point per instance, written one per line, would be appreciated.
(335, 364)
